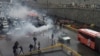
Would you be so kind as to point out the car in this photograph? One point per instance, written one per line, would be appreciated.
(64, 38)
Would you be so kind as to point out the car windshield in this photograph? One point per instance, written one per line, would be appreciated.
(63, 35)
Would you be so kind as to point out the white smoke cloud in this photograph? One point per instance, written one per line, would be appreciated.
(26, 28)
(19, 12)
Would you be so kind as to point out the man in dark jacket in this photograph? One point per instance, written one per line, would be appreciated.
(15, 48)
(31, 47)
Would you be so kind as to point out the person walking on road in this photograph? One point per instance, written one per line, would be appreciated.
(15, 48)
(38, 45)
(35, 39)
(39, 51)
(52, 39)
(31, 47)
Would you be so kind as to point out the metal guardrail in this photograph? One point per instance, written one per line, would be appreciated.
(58, 45)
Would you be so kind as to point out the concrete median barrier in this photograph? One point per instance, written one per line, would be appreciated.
(69, 27)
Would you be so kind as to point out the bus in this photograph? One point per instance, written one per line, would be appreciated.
(89, 38)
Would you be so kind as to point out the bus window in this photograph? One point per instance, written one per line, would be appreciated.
(87, 36)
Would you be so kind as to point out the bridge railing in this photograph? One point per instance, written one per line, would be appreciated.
(59, 46)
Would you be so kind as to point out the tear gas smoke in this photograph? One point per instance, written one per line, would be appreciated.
(19, 12)
(26, 27)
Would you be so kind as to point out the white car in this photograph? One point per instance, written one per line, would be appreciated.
(64, 38)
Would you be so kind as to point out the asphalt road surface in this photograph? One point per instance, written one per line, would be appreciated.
(45, 40)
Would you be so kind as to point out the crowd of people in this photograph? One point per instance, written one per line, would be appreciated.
(18, 50)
